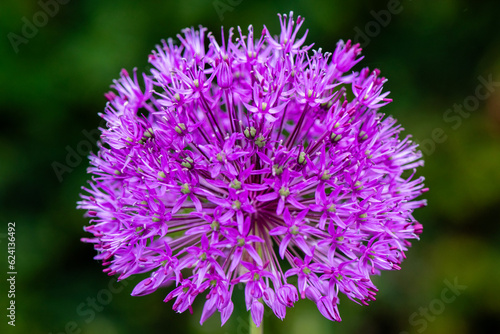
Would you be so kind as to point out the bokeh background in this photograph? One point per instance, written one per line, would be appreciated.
(442, 59)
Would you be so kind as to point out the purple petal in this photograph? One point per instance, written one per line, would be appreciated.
(198, 230)
(256, 187)
(253, 253)
(267, 197)
(302, 215)
(196, 202)
(295, 203)
(264, 158)
(281, 206)
(217, 183)
(269, 297)
(226, 312)
(257, 312)
(327, 309)
(204, 242)
(254, 238)
(300, 241)
(208, 309)
(278, 230)
(287, 217)
(215, 170)
(179, 203)
(322, 221)
(270, 118)
(284, 244)
(236, 258)
(143, 288)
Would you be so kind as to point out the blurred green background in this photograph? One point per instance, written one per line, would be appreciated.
(442, 59)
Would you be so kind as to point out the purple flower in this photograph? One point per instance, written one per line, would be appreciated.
(222, 155)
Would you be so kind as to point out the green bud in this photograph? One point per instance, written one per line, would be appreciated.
(302, 158)
(241, 242)
(180, 127)
(284, 192)
(306, 271)
(261, 141)
(363, 135)
(358, 185)
(332, 208)
(236, 184)
(185, 189)
(117, 172)
(236, 205)
(326, 176)
(220, 157)
(278, 170)
(177, 97)
(256, 276)
(215, 225)
(161, 175)
(263, 106)
(309, 93)
(155, 219)
(339, 239)
(148, 133)
(335, 137)
(294, 230)
(253, 132)
(363, 216)
(187, 163)
(196, 83)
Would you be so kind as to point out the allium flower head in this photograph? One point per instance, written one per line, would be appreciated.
(252, 160)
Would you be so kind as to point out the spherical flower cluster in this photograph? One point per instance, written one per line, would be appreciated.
(254, 160)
